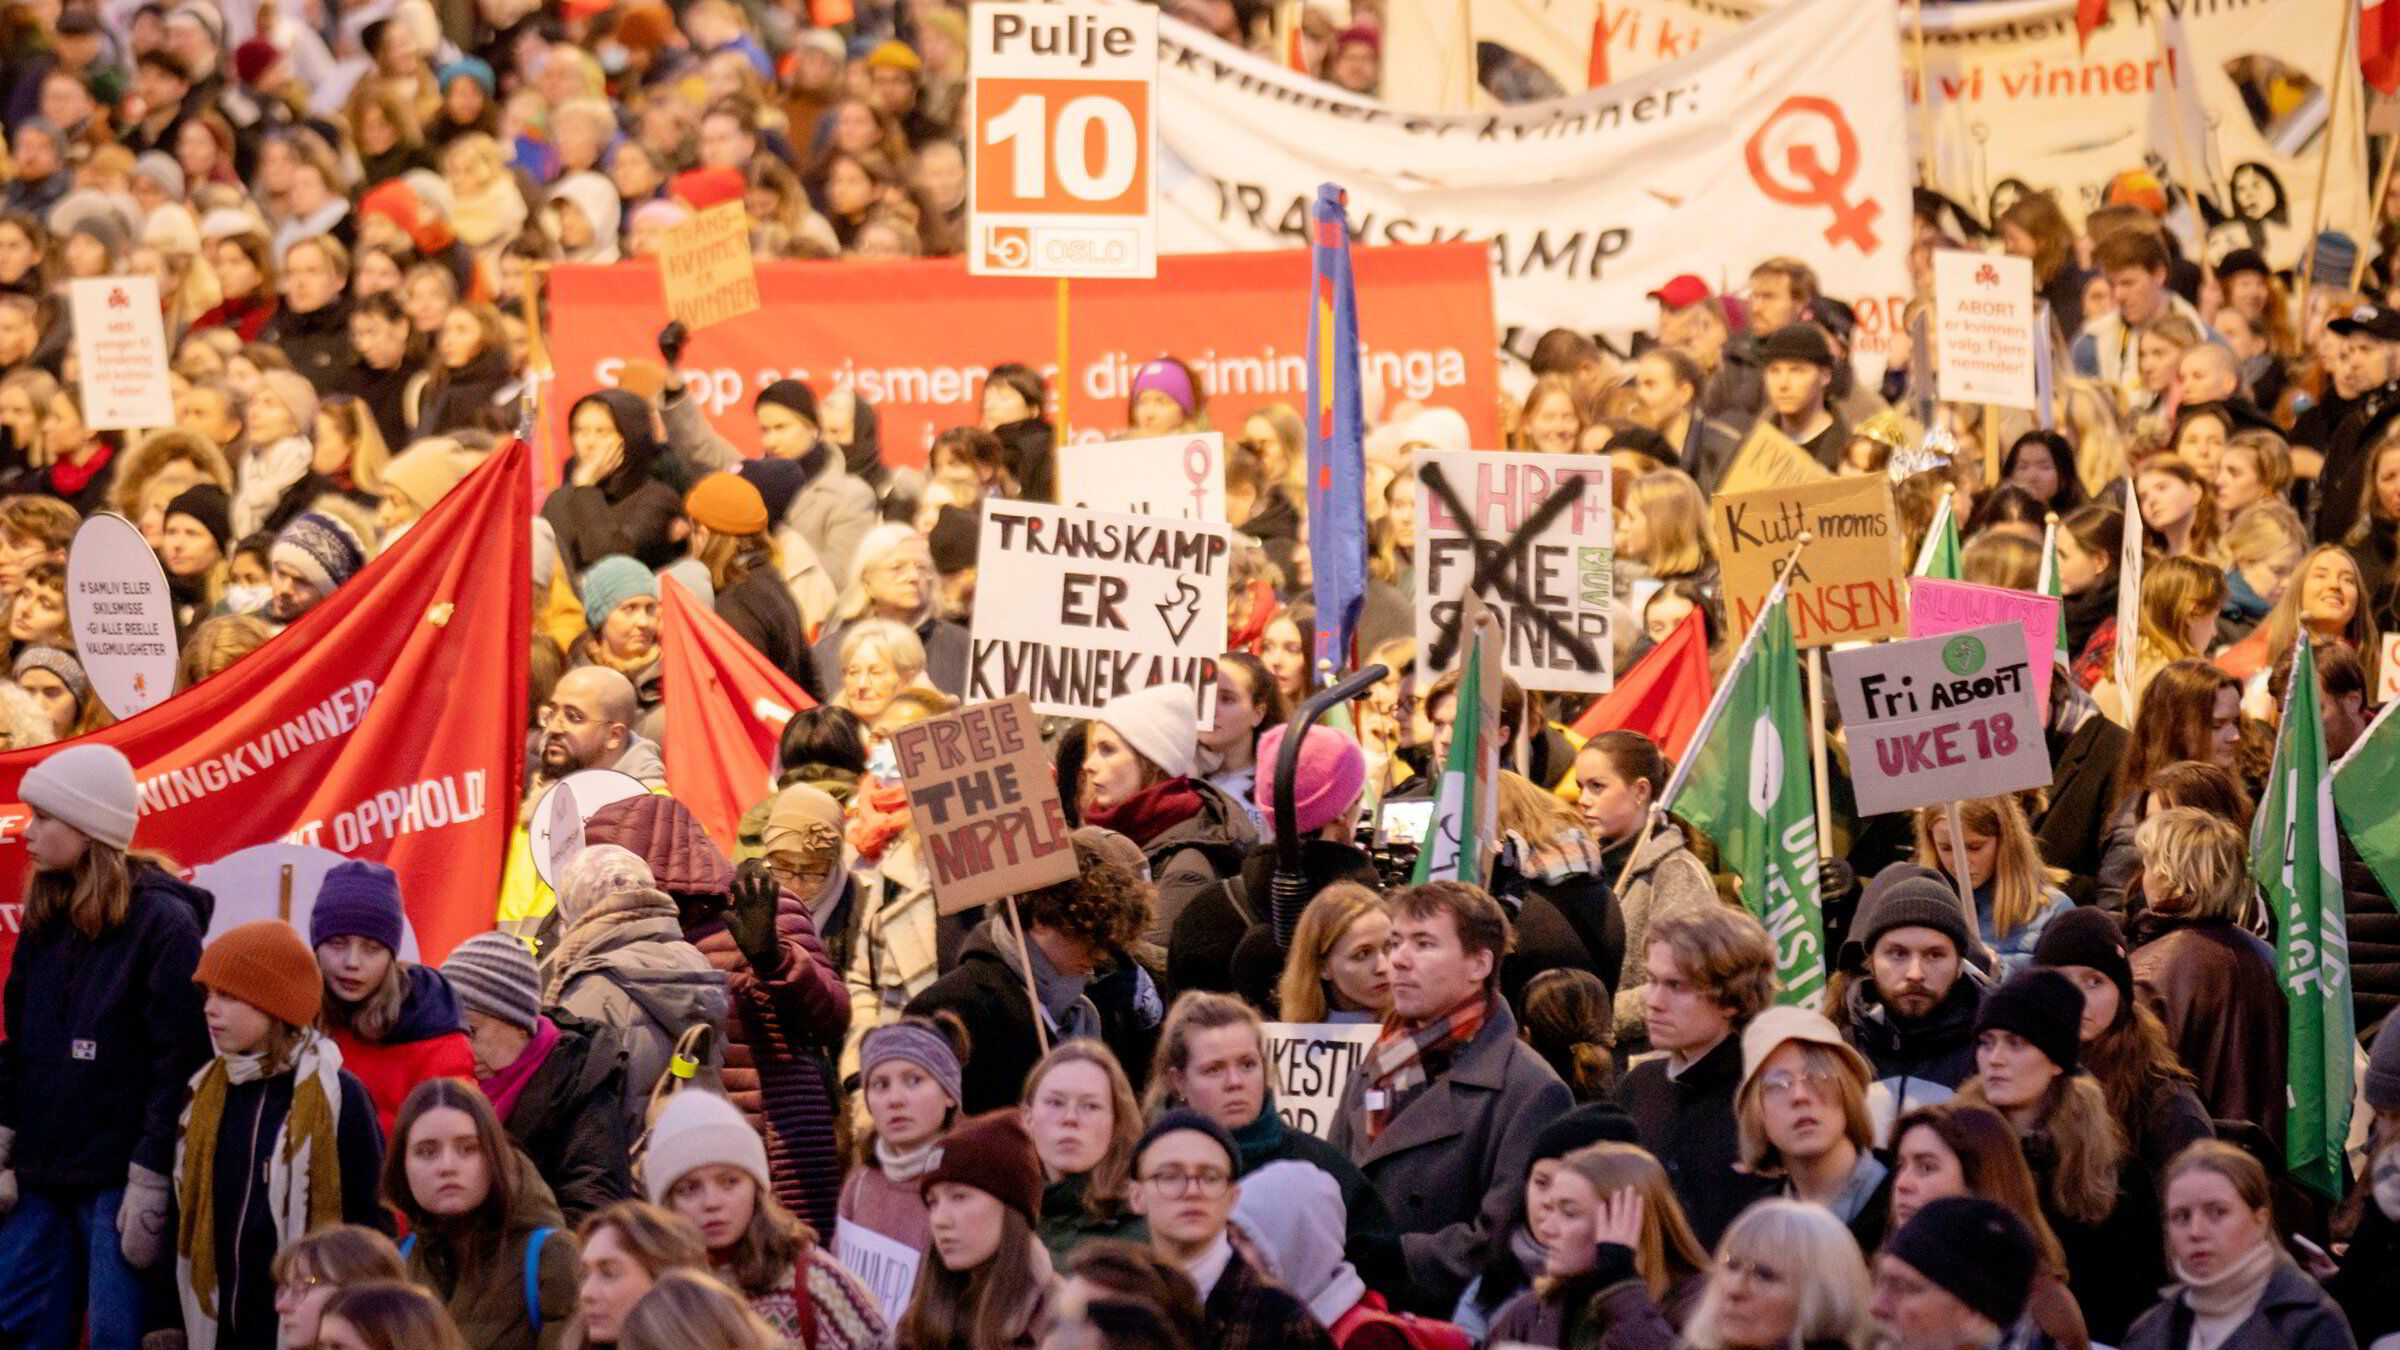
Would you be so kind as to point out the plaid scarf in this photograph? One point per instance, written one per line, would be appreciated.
(1397, 1063)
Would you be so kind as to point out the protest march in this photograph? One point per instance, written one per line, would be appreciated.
(1193, 674)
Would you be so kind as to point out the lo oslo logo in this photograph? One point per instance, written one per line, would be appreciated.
(1009, 246)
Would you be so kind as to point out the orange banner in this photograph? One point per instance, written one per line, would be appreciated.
(915, 338)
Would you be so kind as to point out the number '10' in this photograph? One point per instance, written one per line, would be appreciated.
(1022, 125)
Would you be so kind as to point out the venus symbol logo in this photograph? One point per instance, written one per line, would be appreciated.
(1766, 764)
(1795, 131)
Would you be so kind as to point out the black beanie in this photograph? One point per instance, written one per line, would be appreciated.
(2084, 936)
(792, 396)
(1978, 1252)
(2042, 1006)
(1906, 895)
(207, 504)
(1185, 1118)
(1592, 1123)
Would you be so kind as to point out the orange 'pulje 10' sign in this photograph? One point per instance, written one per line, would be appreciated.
(1062, 140)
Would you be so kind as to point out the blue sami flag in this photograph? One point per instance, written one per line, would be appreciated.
(1337, 458)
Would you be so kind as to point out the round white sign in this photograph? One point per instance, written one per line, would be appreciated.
(121, 614)
(556, 831)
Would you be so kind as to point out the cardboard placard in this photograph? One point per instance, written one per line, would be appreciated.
(1312, 1063)
(1565, 572)
(1983, 330)
(121, 614)
(1940, 719)
(1767, 458)
(706, 267)
(887, 1268)
(985, 803)
(1081, 606)
(1178, 476)
(1848, 584)
(2387, 671)
(1937, 607)
(121, 353)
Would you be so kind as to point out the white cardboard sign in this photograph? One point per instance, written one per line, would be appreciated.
(1179, 476)
(1983, 332)
(1564, 572)
(1312, 1063)
(1081, 606)
(121, 353)
(122, 615)
(1940, 719)
(888, 1269)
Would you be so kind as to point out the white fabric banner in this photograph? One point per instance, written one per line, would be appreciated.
(1783, 138)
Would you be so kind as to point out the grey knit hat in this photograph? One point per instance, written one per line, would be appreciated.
(916, 1044)
(2383, 1070)
(493, 974)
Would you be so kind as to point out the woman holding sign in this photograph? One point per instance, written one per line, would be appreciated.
(2015, 894)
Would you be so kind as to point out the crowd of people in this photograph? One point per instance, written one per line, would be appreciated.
(778, 1099)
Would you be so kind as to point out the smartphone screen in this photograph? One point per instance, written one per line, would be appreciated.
(1406, 822)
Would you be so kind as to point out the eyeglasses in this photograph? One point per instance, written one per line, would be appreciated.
(1782, 1083)
(1209, 1182)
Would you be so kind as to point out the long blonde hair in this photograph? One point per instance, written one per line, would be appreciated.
(1300, 993)
(692, 1310)
(1677, 518)
(2175, 590)
(2282, 624)
(2020, 879)
(1668, 1250)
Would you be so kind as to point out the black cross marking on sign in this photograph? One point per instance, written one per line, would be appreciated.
(1501, 572)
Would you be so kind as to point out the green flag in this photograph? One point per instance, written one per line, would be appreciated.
(2051, 587)
(2365, 784)
(2296, 860)
(1466, 802)
(1939, 558)
(1749, 789)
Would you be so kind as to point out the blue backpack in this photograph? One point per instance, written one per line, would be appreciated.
(533, 1271)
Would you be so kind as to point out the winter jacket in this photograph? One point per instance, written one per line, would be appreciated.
(567, 1122)
(896, 956)
(480, 1278)
(1245, 1311)
(1067, 1223)
(463, 398)
(1200, 853)
(428, 1041)
(2344, 475)
(1451, 1163)
(102, 1037)
(318, 343)
(1563, 920)
(2112, 1265)
(949, 653)
(1917, 1063)
(784, 1027)
(1687, 1122)
(833, 513)
(630, 511)
(1608, 1308)
(987, 993)
(760, 609)
(1665, 877)
(2087, 768)
(641, 980)
(2364, 1287)
(245, 1215)
(2292, 1314)
(2374, 939)
(2169, 1120)
(2215, 987)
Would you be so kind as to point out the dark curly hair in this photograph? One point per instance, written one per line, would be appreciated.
(1106, 905)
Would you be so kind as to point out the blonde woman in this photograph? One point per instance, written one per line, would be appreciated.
(1084, 1120)
(1786, 1274)
(1619, 1254)
(1337, 970)
(2196, 963)
(688, 1310)
(2180, 601)
(2327, 595)
(2259, 554)
(2256, 467)
(1664, 526)
(487, 209)
(2015, 892)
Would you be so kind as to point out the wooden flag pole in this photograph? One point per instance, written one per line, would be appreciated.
(2333, 105)
(1958, 872)
(1066, 373)
(1925, 90)
(1816, 749)
(2382, 186)
(1016, 928)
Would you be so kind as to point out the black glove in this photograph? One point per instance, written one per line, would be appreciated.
(751, 920)
(671, 342)
(1835, 877)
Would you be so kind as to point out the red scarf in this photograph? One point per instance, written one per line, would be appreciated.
(1151, 812)
(1397, 1063)
(1252, 629)
(878, 816)
(70, 477)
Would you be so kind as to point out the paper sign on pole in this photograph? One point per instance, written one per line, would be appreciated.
(1557, 582)
(707, 269)
(1940, 719)
(1179, 476)
(121, 353)
(888, 1269)
(1937, 607)
(1983, 330)
(554, 831)
(121, 614)
(1312, 1063)
(1767, 458)
(1062, 137)
(1081, 606)
(1847, 586)
(985, 802)
(2387, 671)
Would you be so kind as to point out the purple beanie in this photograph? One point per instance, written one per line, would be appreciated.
(1167, 378)
(1325, 783)
(359, 899)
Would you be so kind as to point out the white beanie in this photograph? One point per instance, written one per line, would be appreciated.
(1161, 723)
(89, 787)
(698, 1128)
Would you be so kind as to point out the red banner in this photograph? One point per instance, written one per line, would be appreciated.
(726, 706)
(915, 338)
(387, 724)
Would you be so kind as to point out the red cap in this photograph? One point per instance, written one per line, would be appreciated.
(701, 189)
(1682, 293)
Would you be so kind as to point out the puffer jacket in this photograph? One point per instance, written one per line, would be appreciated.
(428, 1041)
(784, 1029)
(645, 982)
(102, 1036)
(480, 1278)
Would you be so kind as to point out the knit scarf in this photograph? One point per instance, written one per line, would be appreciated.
(2242, 603)
(2234, 1290)
(904, 1167)
(591, 926)
(304, 1185)
(878, 816)
(1397, 1063)
(508, 1083)
(70, 477)
(1261, 1139)
(1151, 812)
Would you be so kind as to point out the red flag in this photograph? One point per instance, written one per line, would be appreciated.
(2379, 44)
(349, 730)
(2089, 14)
(1664, 696)
(1595, 71)
(726, 706)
